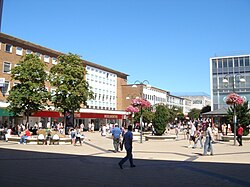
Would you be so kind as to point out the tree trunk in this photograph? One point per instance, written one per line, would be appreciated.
(27, 119)
(73, 117)
(64, 121)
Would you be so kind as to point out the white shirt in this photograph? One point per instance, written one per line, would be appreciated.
(193, 129)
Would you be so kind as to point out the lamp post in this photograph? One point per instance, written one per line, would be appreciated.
(225, 80)
(145, 82)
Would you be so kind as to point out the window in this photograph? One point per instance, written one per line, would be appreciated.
(6, 67)
(219, 63)
(247, 61)
(6, 87)
(230, 62)
(214, 64)
(8, 48)
(19, 51)
(28, 51)
(39, 55)
(197, 101)
(224, 63)
(54, 61)
(46, 58)
(241, 62)
(236, 62)
(15, 83)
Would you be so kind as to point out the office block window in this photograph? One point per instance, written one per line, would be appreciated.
(6, 87)
(247, 61)
(8, 48)
(39, 55)
(6, 67)
(46, 58)
(28, 51)
(230, 62)
(236, 62)
(19, 51)
(54, 61)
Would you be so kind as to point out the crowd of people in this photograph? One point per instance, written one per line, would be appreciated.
(205, 133)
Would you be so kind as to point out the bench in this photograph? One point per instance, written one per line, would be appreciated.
(228, 138)
(34, 140)
(163, 137)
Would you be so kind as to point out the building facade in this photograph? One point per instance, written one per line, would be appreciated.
(232, 69)
(106, 83)
(198, 99)
(155, 96)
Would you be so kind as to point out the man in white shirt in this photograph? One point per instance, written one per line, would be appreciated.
(192, 135)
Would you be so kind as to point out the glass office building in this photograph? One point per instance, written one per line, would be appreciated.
(229, 73)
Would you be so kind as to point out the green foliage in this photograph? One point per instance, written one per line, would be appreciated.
(68, 77)
(243, 116)
(147, 116)
(194, 113)
(160, 119)
(205, 109)
(175, 112)
(30, 94)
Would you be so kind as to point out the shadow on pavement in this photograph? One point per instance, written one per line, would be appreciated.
(26, 168)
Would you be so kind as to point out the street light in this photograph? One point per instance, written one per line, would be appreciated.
(148, 86)
(225, 80)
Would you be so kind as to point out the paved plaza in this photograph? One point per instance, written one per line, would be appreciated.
(165, 163)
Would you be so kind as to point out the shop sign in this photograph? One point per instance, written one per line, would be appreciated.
(111, 116)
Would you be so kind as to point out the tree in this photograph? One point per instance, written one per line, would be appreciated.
(72, 90)
(243, 116)
(147, 115)
(176, 112)
(160, 119)
(30, 94)
(194, 113)
(205, 109)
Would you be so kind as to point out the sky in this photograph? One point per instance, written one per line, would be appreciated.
(166, 42)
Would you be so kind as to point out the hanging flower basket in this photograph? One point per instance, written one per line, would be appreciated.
(132, 109)
(136, 104)
(234, 98)
(140, 102)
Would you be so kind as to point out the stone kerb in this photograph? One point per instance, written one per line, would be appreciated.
(160, 138)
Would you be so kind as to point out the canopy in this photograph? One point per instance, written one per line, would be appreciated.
(4, 112)
(216, 113)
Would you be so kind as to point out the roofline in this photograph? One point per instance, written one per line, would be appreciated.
(53, 53)
(229, 56)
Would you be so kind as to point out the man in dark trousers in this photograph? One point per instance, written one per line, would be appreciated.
(127, 142)
(239, 134)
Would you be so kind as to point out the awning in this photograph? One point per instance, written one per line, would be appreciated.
(4, 112)
(216, 113)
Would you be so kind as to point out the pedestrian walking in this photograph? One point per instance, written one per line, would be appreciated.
(192, 135)
(78, 136)
(127, 142)
(208, 142)
(240, 134)
(116, 133)
(199, 137)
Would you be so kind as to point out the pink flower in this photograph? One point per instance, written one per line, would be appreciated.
(132, 109)
(140, 102)
(234, 98)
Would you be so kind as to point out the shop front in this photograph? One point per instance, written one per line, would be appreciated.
(6, 117)
(98, 117)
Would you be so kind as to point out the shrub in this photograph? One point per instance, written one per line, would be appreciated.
(160, 119)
